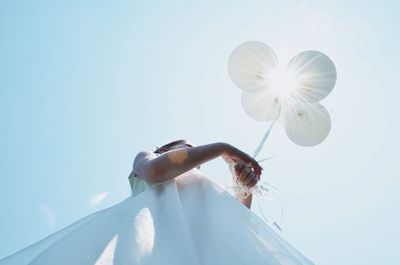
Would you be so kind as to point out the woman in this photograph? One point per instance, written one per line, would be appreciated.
(176, 215)
(157, 169)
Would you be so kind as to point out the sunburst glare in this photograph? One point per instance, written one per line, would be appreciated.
(283, 83)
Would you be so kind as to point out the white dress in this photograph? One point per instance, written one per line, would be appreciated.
(188, 220)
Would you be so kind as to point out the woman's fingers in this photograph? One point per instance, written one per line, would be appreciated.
(245, 174)
(240, 172)
(250, 178)
(235, 154)
(257, 168)
(239, 166)
(253, 182)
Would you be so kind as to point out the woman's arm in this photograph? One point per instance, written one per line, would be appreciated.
(175, 162)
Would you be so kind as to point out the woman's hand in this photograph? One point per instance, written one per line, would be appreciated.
(245, 175)
(232, 154)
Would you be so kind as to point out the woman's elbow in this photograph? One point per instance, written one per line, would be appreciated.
(155, 174)
(160, 174)
(153, 177)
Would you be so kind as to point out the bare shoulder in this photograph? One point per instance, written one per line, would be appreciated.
(144, 154)
(141, 163)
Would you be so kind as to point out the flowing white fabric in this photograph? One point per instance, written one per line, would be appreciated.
(188, 220)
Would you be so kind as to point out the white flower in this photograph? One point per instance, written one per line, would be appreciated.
(286, 93)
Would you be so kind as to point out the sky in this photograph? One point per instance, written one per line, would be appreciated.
(86, 85)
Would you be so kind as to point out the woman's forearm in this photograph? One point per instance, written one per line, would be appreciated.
(178, 161)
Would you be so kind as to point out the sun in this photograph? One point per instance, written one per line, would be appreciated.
(283, 83)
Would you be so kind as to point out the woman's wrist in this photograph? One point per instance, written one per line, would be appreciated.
(225, 149)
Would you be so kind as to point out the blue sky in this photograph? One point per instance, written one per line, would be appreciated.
(85, 85)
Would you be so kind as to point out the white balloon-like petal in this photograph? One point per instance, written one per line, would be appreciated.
(250, 64)
(315, 73)
(262, 106)
(306, 124)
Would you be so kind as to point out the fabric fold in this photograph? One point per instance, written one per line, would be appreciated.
(190, 219)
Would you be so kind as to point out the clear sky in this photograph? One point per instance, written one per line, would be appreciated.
(85, 85)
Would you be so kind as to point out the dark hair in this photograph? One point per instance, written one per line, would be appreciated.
(171, 144)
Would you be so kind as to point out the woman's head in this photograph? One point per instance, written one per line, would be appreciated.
(173, 145)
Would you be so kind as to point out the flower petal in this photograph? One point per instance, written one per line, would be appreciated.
(315, 73)
(306, 124)
(249, 65)
(262, 106)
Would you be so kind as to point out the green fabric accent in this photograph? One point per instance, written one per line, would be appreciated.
(138, 185)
